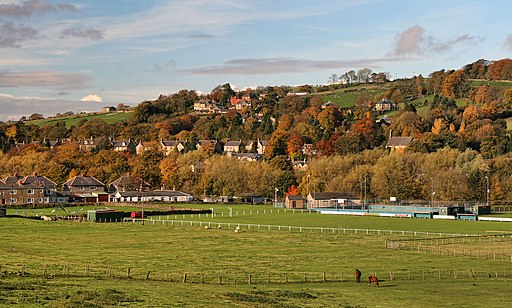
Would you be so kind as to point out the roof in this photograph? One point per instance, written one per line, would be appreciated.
(127, 180)
(155, 193)
(399, 141)
(294, 197)
(122, 143)
(332, 195)
(385, 102)
(83, 181)
(170, 143)
(39, 180)
(233, 143)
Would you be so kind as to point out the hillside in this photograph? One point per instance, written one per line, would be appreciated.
(73, 120)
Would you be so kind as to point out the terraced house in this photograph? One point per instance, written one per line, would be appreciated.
(17, 189)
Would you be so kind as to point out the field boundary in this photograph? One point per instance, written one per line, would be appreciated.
(435, 246)
(55, 271)
(267, 227)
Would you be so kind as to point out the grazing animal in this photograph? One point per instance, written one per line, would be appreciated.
(374, 280)
(358, 276)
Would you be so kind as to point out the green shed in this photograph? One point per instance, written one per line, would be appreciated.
(105, 216)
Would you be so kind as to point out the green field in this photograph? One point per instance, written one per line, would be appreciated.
(109, 118)
(62, 264)
(347, 97)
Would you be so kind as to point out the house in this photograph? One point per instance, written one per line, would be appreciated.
(145, 146)
(308, 149)
(50, 143)
(26, 190)
(247, 156)
(385, 105)
(257, 146)
(294, 202)
(328, 104)
(85, 189)
(330, 199)
(234, 147)
(90, 144)
(128, 183)
(152, 196)
(209, 145)
(240, 103)
(205, 106)
(398, 144)
(252, 199)
(124, 146)
(108, 109)
(300, 165)
(170, 146)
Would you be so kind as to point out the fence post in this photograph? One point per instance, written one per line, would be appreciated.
(250, 279)
(128, 272)
(220, 278)
(305, 278)
(147, 276)
(324, 278)
(185, 278)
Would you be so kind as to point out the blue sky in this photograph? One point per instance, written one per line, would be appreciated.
(80, 55)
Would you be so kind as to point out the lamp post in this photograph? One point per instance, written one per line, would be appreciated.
(432, 193)
(275, 196)
(142, 198)
(487, 190)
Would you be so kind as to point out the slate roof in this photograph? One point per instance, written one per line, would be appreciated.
(128, 180)
(170, 143)
(295, 197)
(83, 181)
(399, 141)
(233, 143)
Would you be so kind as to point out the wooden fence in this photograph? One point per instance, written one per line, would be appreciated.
(230, 278)
(436, 246)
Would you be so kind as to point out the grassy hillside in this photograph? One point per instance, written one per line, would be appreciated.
(347, 97)
(109, 118)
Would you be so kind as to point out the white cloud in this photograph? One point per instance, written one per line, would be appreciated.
(414, 42)
(14, 107)
(92, 98)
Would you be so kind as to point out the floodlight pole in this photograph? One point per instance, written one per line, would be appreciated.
(487, 190)
(142, 198)
(275, 196)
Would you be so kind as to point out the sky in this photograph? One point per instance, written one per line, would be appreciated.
(82, 55)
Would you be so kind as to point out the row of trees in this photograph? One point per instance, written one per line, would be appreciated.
(452, 174)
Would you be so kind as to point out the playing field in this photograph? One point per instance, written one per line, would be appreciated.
(64, 264)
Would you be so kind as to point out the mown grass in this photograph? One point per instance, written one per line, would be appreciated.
(109, 118)
(162, 250)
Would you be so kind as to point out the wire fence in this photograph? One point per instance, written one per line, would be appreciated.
(56, 271)
(440, 246)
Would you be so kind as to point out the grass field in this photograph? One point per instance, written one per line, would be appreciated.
(167, 252)
(347, 97)
(109, 118)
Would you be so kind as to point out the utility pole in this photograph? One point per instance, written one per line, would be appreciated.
(364, 203)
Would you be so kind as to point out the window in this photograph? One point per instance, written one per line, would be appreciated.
(30, 191)
(14, 191)
(93, 187)
(48, 191)
(30, 200)
(80, 188)
(40, 200)
(13, 200)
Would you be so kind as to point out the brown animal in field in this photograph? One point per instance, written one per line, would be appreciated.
(374, 280)
(358, 276)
